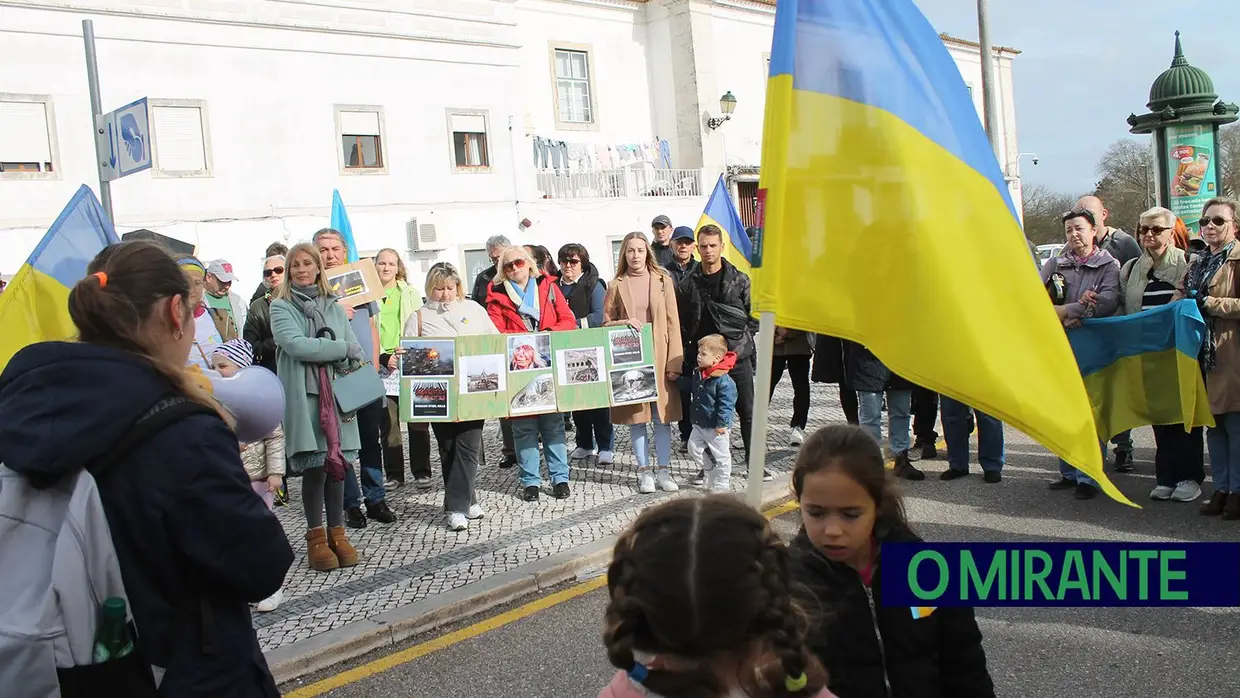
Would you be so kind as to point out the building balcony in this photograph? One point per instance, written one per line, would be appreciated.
(619, 183)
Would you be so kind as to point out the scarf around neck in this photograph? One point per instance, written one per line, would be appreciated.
(526, 300)
(307, 300)
(1197, 285)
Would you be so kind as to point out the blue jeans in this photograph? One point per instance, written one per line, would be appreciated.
(594, 427)
(662, 441)
(525, 432)
(1070, 473)
(370, 458)
(956, 433)
(1223, 440)
(899, 417)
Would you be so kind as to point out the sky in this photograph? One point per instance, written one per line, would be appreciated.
(1087, 64)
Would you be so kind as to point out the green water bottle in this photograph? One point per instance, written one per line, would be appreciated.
(112, 639)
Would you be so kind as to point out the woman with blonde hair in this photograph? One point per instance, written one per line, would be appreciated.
(1150, 281)
(522, 299)
(643, 292)
(448, 313)
(399, 303)
(314, 338)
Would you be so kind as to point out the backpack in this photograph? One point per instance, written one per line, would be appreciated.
(60, 565)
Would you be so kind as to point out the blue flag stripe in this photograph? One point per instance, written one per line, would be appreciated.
(77, 235)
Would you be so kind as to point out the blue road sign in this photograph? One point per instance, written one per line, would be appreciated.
(129, 139)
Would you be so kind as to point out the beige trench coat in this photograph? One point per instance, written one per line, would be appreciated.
(1223, 383)
(669, 353)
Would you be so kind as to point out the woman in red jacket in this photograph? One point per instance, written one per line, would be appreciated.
(523, 300)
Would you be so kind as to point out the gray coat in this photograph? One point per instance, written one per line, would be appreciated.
(294, 349)
(1099, 273)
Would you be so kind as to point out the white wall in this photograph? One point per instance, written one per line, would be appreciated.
(742, 43)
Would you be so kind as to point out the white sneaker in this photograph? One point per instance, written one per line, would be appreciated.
(606, 457)
(392, 485)
(1161, 493)
(270, 603)
(664, 478)
(581, 453)
(645, 479)
(457, 521)
(1186, 491)
(797, 437)
(476, 512)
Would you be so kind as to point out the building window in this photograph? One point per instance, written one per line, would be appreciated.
(475, 260)
(469, 141)
(361, 139)
(574, 98)
(180, 134)
(970, 86)
(27, 137)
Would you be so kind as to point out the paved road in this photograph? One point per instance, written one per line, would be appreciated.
(1033, 652)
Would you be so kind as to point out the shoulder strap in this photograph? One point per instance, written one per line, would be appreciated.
(164, 414)
(418, 312)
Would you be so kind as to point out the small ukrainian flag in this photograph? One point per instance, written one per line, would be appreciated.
(920, 612)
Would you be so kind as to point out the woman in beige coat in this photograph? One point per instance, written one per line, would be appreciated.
(643, 292)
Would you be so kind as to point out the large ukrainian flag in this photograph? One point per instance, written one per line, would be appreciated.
(1142, 369)
(721, 212)
(887, 221)
(35, 306)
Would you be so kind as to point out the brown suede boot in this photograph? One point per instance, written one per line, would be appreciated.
(319, 554)
(1231, 512)
(346, 554)
(1215, 505)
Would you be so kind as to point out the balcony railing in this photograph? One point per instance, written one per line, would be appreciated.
(620, 183)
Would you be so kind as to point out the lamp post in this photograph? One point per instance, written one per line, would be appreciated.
(1184, 118)
(727, 105)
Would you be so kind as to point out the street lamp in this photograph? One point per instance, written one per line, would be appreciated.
(727, 104)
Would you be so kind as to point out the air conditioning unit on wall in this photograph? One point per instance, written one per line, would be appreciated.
(422, 235)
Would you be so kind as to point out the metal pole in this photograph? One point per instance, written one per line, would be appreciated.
(96, 111)
(761, 408)
(989, 83)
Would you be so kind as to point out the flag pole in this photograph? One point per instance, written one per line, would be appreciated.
(761, 408)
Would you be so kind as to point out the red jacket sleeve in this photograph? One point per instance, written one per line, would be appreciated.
(564, 318)
(495, 309)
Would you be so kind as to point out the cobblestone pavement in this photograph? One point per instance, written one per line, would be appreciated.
(417, 557)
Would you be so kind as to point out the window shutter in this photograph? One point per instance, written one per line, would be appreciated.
(469, 123)
(23, 133)
(178, 139)
(359, 123)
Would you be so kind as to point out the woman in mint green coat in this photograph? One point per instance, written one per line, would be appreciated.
(319, 443)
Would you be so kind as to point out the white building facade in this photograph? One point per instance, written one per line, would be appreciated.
(441, 122)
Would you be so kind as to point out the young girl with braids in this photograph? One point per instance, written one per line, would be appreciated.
(849, 509)
(701, 608)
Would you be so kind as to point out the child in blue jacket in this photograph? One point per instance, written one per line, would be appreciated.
(714, 401)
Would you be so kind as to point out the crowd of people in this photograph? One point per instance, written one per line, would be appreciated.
(204, 538)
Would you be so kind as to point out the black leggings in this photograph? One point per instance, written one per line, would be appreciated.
(798, 371)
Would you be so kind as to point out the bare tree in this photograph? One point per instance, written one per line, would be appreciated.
(1229, 159)
(1043, 209)
(1126, 181)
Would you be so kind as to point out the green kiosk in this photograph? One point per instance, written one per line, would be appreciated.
(1184, 117)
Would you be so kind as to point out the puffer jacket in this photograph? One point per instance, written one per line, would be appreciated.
(714, 395)
(1134, 277)
(872, 650)
(258, 332)
(265, 458)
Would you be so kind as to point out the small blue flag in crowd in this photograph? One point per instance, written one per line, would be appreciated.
(340, 223)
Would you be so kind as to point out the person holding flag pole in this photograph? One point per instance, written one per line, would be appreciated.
(869, 128)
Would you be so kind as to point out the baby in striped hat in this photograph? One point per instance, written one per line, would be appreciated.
(232, 356)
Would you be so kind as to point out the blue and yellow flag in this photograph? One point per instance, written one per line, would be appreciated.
(35, 305)
(340, 223)
(887, 221)
(721, 212)
(1142, 369)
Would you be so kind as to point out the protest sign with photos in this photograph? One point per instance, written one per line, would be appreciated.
(355, 284)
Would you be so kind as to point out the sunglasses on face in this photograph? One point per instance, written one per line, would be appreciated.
(1218, 222)
(272, 271)
(1152, 230)
(514, 264)
(567, 262)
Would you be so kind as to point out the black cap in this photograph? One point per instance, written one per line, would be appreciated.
(661, 220)
(682, 232)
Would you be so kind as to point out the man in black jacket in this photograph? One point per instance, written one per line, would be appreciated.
(714, 299)
(258, 321)
(495, 245)
(661, 230)
(682, 265)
